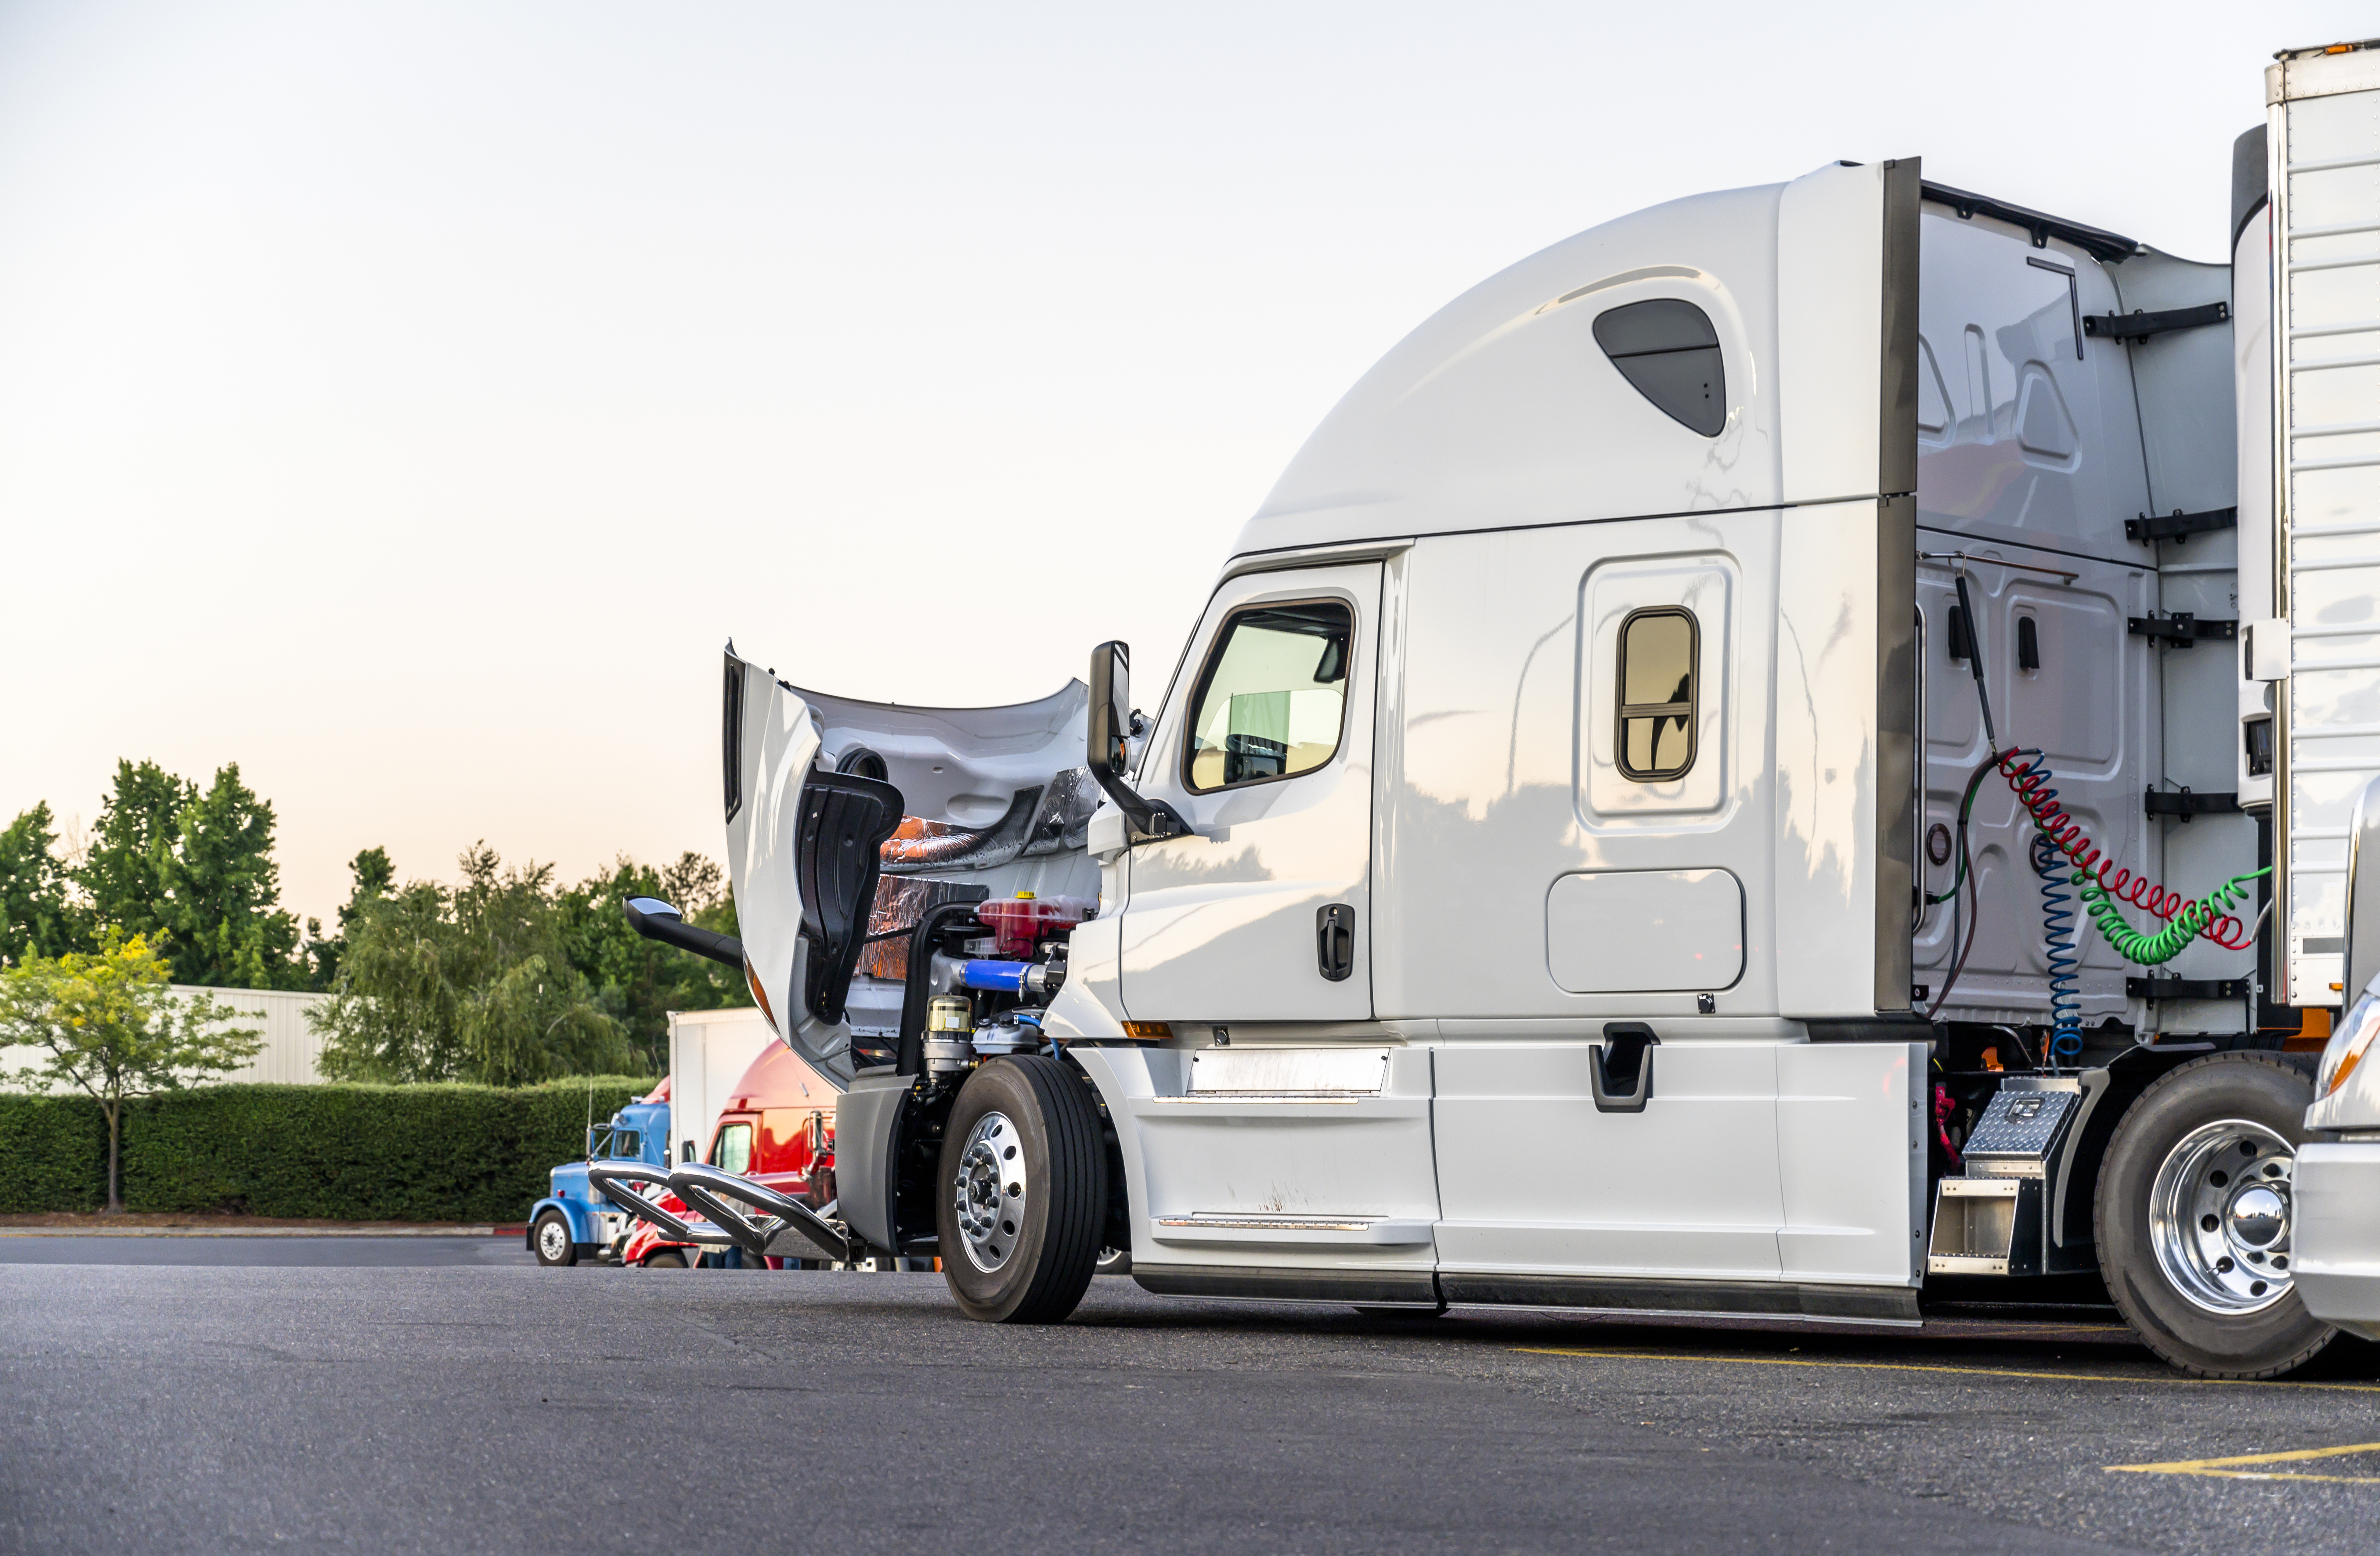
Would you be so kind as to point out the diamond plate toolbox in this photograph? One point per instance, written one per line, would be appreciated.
(2019, 1124)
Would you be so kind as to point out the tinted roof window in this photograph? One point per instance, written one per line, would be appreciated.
(1668, 350)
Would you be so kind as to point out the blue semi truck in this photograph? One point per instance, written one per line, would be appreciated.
(574, 1221)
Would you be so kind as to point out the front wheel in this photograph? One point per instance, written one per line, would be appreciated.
(2194, 1217)
(1021, 1199)
(550, 1239)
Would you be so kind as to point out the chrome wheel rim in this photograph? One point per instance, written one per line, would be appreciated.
(989, 1192)
(553, 1241)
(2219, 1216)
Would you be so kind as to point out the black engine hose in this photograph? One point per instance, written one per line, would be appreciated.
(1966, 876)
(915, 990)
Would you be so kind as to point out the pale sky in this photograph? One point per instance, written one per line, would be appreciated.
(406, 401)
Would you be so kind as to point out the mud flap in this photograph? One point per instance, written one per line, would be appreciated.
(867, 1156)
(846, 820)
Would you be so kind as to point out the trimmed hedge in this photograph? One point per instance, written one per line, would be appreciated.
(339, 1152)
(56, 1152)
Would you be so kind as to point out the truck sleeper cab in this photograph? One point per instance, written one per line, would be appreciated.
(1570, 864)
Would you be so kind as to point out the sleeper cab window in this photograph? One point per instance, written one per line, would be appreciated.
(1272, 695)
(732, 1152)
(1668, 350)
(1657, 655)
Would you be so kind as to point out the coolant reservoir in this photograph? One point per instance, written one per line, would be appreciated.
(1025, 920)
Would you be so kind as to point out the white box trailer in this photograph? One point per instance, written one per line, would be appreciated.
(2310, 442)
(710, 1051)
(1719, 781)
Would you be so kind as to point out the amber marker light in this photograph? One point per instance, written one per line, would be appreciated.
(759, 995)
(1149, 1031)
(2349, 1043)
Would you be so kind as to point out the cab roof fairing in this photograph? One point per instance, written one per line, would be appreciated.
(1500, 411)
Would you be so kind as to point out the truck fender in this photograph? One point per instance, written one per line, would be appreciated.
(529, 1232)
(1117, 1076)
(2108, 1096)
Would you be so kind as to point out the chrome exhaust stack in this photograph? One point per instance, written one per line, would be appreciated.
(613, 1179)
(787, 1229)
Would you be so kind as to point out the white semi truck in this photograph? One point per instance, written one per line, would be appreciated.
(1732, 774)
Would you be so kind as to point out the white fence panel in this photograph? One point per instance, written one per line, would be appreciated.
(291, 1045)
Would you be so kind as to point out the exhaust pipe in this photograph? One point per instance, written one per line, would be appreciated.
(612, 1180)
(788, 1229)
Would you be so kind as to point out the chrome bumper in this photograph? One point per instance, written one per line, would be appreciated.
(2335, 1242)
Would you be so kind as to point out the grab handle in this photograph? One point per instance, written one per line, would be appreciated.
(1620, 1073)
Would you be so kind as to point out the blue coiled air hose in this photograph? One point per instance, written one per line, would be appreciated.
(2058, 949)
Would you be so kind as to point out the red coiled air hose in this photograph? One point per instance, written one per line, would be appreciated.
(2030, 783)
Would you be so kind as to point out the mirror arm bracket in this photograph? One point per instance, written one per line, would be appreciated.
(1151, 820)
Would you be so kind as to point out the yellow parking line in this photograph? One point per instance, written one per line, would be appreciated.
(2223, 1469)
(1921, 1367)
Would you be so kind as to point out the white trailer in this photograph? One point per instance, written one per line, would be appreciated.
(1669, 807)
(710, 1051)
(2311, 424)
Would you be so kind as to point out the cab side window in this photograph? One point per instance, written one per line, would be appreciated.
(1656, 694)
(1272, 697)
(731, 1151)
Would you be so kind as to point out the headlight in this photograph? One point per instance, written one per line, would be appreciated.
(2347, 1045)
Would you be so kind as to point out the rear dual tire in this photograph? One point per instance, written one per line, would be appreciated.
(2194, 1218)
(1021, 1198)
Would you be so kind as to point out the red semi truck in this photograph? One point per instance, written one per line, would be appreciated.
(777, 1128)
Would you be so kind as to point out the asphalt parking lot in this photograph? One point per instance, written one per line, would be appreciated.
(348, 1251)
(188, 1404)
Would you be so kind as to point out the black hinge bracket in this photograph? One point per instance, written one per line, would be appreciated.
(2182, 630)
(2179, 525)
(2186, 988)
(2185, 803)
(2141, 326)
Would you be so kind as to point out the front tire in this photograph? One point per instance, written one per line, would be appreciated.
(1021, 1198)
(2194, 1215)
(552, 1240)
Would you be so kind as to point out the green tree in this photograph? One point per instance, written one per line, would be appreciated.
(223, 893)
(374, 878)
(139, 822)
(106, 1022)
(37, 917)
(640, 981)
(193, 869)
(474, 983)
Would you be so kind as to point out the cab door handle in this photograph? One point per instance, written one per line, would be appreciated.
(1334, 941)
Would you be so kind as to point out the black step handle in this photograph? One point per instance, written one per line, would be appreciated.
(1621, 1067)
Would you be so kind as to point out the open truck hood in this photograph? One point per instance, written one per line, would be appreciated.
(826, 794)
(981, 786)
